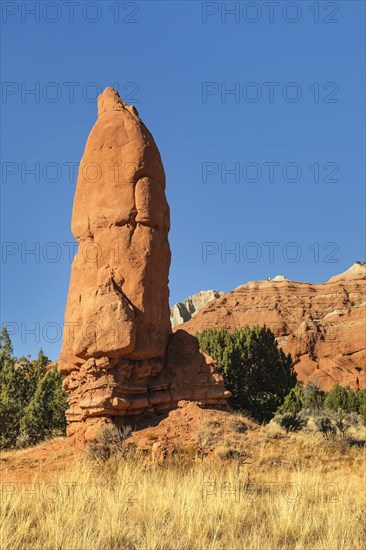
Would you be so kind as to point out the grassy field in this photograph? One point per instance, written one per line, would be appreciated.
(293, 491)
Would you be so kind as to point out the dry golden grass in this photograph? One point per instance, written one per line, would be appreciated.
(296, 493)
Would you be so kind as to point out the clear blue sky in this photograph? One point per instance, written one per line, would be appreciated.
(298, 103)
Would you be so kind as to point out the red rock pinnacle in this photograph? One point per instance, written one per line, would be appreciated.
(118, 353)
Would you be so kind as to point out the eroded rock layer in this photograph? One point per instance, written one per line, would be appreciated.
(118, 352)
(184, 311)
(323, 326)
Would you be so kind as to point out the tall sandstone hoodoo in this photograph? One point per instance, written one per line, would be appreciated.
(119, 353)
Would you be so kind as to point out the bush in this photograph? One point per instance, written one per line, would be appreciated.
(337, 423)
(228, 454)
(363, 411)
(204, 439)
(343, 422)
(313, 398)
(291, 422)
(293, 402)
(45, 412)
(238, 425)
(340, 398)
(109, 441)
(314, 401)
(301, 397)
(32, 402)
(9, 421)
(258, 373)
(326, 427)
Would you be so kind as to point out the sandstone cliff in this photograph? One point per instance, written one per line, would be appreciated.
(184, 311)
(323, 326)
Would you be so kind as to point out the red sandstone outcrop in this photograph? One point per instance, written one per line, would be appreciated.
(118, 353)
(323, 326)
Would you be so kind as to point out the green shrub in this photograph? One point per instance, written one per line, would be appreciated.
(308, 397)
(32, 402)
(256, 371)
(313, 398)
(45, 412)
(293, 402)
(337, 398)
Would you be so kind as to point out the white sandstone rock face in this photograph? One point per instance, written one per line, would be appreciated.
(184, 311)
(279, 278)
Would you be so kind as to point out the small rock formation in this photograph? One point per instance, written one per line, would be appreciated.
(323, 326)
(119, 353)
(184, 311)
(183, 425)
(279, 278)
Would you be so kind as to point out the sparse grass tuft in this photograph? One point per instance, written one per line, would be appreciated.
(108, 442)
(151, 436)
(238, 425)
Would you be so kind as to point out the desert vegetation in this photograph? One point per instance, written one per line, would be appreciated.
(294, 481)
(259, 375)
(334, 413)
(264, 384)
(292, 491)
(256, 371)
(32, 402)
